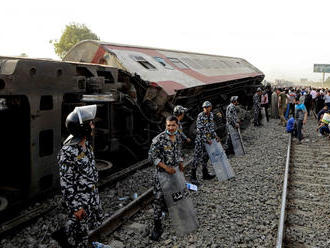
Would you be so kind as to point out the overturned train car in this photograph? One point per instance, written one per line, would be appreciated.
(135, 88)
(164, 78)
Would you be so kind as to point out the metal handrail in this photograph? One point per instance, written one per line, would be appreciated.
(280, 234)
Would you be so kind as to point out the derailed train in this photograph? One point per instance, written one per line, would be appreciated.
(135, 88)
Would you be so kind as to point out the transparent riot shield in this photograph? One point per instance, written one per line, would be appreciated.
(236, 140)
(180, 206)
(86, 113)
(218, 157)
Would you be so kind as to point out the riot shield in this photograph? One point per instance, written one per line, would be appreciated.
(222, 168)
(236, 140)
(180, 206)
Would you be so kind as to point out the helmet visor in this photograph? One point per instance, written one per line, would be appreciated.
(86, 113)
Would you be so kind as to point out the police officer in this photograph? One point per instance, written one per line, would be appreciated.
(165, 154)
(179, 111)
(205, 132)
(78, 179)
(257, 107)
(232, 120)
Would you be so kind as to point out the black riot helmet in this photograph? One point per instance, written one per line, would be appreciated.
(77, 122)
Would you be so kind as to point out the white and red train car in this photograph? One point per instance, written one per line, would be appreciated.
(164, 78)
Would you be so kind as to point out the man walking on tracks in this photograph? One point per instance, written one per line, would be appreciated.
(205, 132)
(165, 154)
(257, 107)
(78, 178)
(234, 139)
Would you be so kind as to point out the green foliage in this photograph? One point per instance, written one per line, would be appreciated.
(72, 34)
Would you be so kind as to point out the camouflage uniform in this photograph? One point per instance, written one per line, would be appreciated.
(231, 119)
(180, 131)
(204, 131)
(78, 178)
(163, 150)
(257, 108)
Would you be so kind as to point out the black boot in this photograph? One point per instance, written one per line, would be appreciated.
(61, 238)
(193, 177)
(157, 231)
(206, 175)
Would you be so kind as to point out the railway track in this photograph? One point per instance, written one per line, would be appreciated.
(25, 218)
(305, 209)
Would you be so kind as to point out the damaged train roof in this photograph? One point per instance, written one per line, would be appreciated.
(169, 69)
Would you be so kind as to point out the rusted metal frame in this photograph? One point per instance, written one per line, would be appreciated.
(281, 227)
(121, 216)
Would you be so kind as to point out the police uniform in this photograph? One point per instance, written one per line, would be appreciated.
(78, 179)
(231, 120)
(168, 152)
(256, 108)
(180, 131)
(205, 130)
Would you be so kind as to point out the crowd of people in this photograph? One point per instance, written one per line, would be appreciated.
(293, 106)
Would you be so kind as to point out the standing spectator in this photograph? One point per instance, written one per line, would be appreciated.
(319, 101)
(301, 118)
(256, 107)
(281, 106)
(264, 103)
(327, 99)
(292, 96)
(274, 113)
(314, 94)
(308, 101)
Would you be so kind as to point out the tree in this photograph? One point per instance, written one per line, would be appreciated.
(72, 34)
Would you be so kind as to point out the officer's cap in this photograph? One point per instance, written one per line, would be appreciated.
(259, 89)
(178, 110)
(233, 98)
(206, 104)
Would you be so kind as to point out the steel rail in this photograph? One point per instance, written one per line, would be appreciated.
(121, 216)
(281, 227)
(24, 219)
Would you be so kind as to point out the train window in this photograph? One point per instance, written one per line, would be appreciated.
(178, 63)
(163, 63)
(46, 140)
(142, 61)
(46, 103)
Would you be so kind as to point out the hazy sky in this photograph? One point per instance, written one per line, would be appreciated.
(282, 38)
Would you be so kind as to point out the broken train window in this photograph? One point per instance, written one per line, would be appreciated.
(142, 61)
(163, 63)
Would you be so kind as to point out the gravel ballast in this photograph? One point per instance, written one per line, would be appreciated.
(241, 212)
